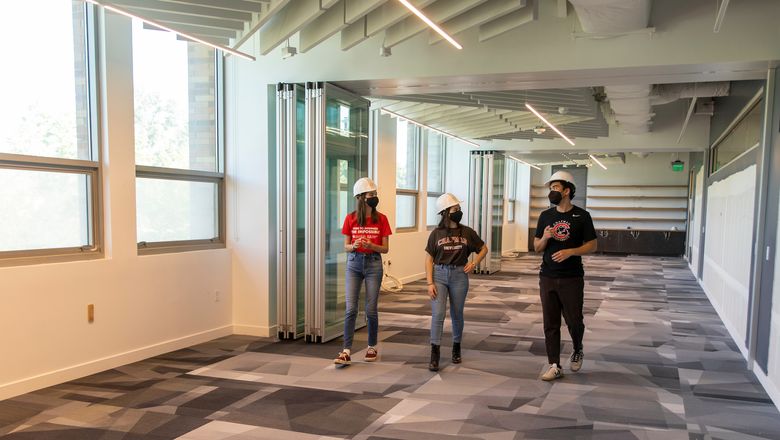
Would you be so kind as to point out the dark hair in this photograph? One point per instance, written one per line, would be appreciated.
(565, 185)
(444, 222)
(360, 211)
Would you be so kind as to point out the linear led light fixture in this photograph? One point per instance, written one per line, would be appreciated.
(166, 28)
(539, 115)
(597, 161)
(720, 15)
(526, 163)
(384, 110)
(430, 23)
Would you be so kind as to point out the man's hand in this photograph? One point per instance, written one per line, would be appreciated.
(548, 233)
(562, 255)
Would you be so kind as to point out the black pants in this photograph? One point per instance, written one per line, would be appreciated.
(561, 295)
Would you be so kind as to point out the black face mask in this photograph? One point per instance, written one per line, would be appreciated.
(372, 202)
(456, 216)
(555, 197)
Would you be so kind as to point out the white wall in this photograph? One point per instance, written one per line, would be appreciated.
(727, 249)
(144, 306)
(654, 169)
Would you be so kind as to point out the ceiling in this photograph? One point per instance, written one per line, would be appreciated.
(502, 114)
(230, 23)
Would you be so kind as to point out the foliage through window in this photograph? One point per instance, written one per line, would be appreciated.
(178, 153)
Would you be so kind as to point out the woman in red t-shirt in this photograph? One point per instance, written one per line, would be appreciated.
(366, 232)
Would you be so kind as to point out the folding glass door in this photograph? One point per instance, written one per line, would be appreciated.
(314, 187)
(486, 204)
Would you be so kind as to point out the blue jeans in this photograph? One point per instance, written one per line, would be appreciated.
(362, 267)
(451, 282)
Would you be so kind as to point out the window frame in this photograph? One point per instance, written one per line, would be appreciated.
(443, 164)
(754, 102)
(418, 139)
(186, 175)
(92, 168)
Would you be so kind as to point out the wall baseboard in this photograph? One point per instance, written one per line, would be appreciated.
(769, 385)
(729, 327)
(414, 277)
(255, 330)
(26, 385)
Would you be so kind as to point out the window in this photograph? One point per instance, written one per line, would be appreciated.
(49, 164)
(511, 190)
(743, 136)
(437, 146)
(179, 169)
(407, 182)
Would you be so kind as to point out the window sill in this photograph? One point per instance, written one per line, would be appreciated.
(168, 248)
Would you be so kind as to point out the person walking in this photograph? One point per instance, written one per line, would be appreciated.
(447, 270)
(564, 233)
(366, 236)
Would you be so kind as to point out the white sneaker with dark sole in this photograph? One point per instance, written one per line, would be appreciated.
(553, 373)
(576, 360)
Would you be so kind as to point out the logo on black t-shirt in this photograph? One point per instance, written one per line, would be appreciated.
(561, 230)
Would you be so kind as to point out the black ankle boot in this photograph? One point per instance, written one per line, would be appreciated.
(456, 359)
(434, 365)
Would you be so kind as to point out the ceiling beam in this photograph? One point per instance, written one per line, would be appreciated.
(319, 30)
(232, 5)
(203, 11)
(376, 21)
(195, 20)
(210, 39)
(510, 21)
(200, 30)
(286, 22)
(481, 14)
(438, 12)
(259, 20)
(356, 9)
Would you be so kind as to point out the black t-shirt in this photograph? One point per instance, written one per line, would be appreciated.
(452, 246)
(571, 229)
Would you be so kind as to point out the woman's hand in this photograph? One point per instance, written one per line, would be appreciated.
(469, 267)
(432, 291)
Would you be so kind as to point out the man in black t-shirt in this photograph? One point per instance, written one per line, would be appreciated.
(565, 233)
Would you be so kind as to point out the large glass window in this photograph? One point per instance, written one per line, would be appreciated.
(180, 177)
(437, 147)
(407, 171)
(49, 164)
(745, 135)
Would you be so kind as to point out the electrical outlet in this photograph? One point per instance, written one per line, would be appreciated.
(216, 296)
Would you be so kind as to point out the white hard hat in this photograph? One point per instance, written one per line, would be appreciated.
(446, 201)
(363, 185)
(560, 176)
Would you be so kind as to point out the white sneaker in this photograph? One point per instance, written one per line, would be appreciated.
(553, 373)
(576, 360)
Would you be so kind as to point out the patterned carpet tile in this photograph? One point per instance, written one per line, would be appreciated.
(659, 364)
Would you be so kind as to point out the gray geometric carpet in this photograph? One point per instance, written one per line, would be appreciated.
(659, 364)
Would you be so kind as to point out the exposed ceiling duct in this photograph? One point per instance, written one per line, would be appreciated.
(612, 16)
(666, 93)
(631, 105)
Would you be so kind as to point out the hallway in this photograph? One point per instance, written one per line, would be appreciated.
(659, 364)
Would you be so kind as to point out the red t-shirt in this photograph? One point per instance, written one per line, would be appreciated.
(374, 232)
